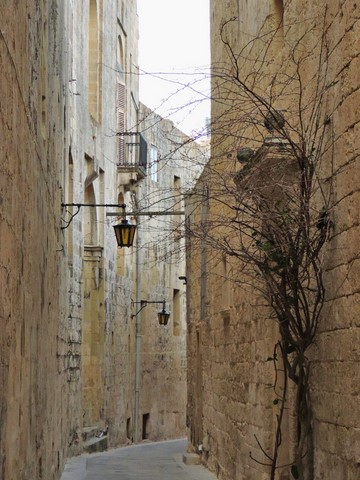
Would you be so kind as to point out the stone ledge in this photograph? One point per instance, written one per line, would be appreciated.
(96, 445)
(89, 432)
(191, 459)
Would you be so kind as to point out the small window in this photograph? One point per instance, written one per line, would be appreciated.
(153, 167)
(176, 312)
(94, 66)
(120, 54)
(128, 428)
(90, 218)
(177, 185)
(145, 429)
(279, 18)
(279, 10)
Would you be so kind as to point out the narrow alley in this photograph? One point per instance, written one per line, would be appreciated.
(160, 461)
(184, 262)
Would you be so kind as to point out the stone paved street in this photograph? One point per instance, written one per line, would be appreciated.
(149, 461)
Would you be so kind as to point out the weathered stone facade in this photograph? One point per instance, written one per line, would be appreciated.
(71, 120)
(230, 335)
(174, 161)
(120, 369)
(36, 419)
(101, 277)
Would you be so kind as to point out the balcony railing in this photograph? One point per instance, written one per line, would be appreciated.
(132, 151)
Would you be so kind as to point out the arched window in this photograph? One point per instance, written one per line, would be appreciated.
(89, 218)
(120, 54)
(279, 15)
(94, 61)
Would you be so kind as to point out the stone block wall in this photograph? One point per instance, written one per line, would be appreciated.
(35, 400)
(336, 353)
(100, 292)
(230, 405)
(228, 401)
(163, 351)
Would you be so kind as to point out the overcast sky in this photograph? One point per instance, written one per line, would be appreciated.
(173, 52)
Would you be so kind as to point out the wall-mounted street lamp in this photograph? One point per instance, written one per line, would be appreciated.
(124, 231)
(163, 315)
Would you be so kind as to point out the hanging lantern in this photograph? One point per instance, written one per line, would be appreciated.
(163, 316)
(125, 233)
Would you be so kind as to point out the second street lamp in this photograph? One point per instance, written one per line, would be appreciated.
(163, 316)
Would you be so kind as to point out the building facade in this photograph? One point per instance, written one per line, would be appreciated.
(115, 149)
(174, 162)
(102, 102)
(274, 55)
(35, 419)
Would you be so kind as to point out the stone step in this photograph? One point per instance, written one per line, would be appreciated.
(96, 444)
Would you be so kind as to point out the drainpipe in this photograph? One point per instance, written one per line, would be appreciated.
(138, 332)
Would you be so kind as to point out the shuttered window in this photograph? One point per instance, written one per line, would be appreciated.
(120, 122)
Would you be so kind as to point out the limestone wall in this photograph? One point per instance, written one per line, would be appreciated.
(230, 348)
(103, 36)
(173, 165)
(36, 418)
(103, 168)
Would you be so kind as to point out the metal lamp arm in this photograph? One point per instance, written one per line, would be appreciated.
(79, 205)
(143, 304)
